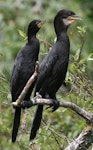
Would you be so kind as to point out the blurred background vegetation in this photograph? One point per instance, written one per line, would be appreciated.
(63, 125)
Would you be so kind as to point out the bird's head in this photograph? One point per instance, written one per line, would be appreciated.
(64, 18)
(34, 27)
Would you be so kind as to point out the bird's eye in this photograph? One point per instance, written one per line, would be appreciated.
(37, 22)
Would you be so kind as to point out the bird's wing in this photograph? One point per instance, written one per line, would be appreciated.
(45, 70)
(15, 79)
(14, 82)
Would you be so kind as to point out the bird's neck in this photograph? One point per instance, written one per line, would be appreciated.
(60, 27)
(31, 37)
(63, 36)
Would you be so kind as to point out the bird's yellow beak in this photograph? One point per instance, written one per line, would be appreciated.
(73, 18)
(40, 24)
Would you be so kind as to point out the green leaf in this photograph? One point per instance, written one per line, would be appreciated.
(22, 33)
(1, 54)
(90, 57)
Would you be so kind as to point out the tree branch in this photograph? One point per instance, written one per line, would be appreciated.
(86, 115)
(38, 100)
(83, 142)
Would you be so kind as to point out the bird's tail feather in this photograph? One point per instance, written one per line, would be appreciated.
(16, 123)
(36, 122)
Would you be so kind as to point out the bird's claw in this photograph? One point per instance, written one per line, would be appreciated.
(26, 104)
(55, 104)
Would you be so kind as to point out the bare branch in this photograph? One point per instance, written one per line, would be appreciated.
(86, 115)
(83, 142)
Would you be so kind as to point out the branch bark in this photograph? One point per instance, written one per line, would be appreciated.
(84, 114)
(83, 142)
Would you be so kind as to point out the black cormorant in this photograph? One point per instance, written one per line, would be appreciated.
(54, 66)
(24, 67)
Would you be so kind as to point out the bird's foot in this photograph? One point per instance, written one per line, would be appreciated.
(55, 104)
(26, 104)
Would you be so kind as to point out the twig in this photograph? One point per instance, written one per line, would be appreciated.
(82, 36)
(45, 43)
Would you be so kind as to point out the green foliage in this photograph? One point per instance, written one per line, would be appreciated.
(63, 125)
(22, 34)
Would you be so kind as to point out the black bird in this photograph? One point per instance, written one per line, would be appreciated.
(24, 67)
(54, 66)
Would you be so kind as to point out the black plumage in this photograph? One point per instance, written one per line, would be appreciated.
(24, 67)
(54, 66)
